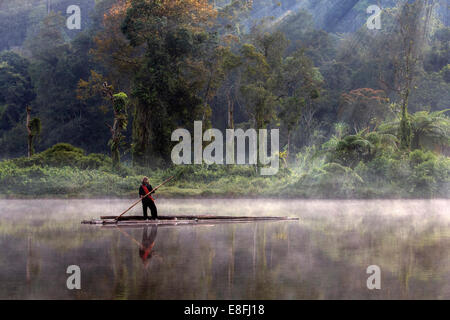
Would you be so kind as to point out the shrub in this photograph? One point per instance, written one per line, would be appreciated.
(64, 154)
(418, 156)
(430, 175)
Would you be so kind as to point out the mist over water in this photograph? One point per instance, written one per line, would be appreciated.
(324, 255)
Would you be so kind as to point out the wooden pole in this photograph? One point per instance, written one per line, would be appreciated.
(134, 204)
(130, 237)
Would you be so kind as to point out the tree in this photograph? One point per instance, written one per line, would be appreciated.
(231, 67)
(363, 108)
(446, 73)
(407, 41)
(428, 129)
(120, 108)
(438, 55)
(112, 51)
(364, 146)
(260, 101)
(89, 92)
(56, 67)
(34, 129)
(298, 86)
(261, 62)
(169, 86)
(16, 89)
(14, 22)
(221, 64)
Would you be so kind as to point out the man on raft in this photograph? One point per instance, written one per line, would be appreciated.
(147, 201)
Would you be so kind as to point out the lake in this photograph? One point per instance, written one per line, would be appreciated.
(323, 255)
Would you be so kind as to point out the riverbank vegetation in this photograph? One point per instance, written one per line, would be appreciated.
(65, 171)
(362, 113)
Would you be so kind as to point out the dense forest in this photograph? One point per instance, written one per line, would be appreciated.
(362, 112)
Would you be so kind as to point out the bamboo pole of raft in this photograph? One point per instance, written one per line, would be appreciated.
(130, 237)
(134, 204)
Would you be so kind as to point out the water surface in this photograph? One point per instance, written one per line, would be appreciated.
(324, 255)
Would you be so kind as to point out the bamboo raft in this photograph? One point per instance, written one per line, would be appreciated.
(179, 220)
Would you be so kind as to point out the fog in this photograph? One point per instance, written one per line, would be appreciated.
(323, 255)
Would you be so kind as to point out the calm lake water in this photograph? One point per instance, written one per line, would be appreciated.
(324, 255)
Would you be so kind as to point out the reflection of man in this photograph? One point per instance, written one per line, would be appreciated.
(148, 201)
(148, 241)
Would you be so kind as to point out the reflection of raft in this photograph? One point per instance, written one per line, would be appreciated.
(180, 220)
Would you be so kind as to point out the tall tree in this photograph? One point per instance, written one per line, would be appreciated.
(57, 65)
(299, 84)
(16, 89)
(119, 103)
(33, 129)
(407, 41)
(261, 61)
(169, 84)
(258, 97)
(117, 59)
(363, 108)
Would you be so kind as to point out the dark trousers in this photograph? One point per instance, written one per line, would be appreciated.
(147, 241)
(147, 203)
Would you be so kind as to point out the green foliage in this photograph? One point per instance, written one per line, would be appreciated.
(180, 64)
(64, 154)
(439, 55)
(35, 125)
(120, 102)
(405, 132)
(56, 67)
(391, 172)
(16, 90)
(352, 149)
(363, 108)
(298, 82)
(418, 156)
(430, 174)
(428, 129)
(68, 172)
(446, 73)
(62, 181)
(169, 83)
(120, 106)
(259, 99)
(329, 180)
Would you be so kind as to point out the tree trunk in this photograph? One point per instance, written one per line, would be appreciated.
(30, 133)
(308, 120)
(230, 110)
(405, 125)
(207, 91)
(115, 129)
(288, 146)
(115, 154)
